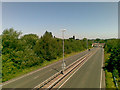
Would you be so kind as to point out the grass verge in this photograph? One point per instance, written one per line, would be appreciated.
(109, 80)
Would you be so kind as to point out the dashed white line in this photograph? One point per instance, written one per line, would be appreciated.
(36, 77)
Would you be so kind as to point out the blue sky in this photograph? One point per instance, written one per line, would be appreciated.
(83, 19)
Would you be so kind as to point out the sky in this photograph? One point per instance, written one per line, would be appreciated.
(82, 19)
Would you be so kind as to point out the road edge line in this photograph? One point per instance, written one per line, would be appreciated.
(101, 68)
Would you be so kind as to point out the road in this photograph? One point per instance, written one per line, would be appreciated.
(90, 74)
(34, 78)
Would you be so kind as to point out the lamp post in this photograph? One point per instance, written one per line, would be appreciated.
(63, 63)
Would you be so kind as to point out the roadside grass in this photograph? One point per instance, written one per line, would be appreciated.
(109, 80)
(119, 82)
(108, 75)
(45, 63)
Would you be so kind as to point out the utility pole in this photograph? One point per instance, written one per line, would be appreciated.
(63, 63)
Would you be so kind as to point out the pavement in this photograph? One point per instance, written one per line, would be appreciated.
(90, 74)
(34, 78)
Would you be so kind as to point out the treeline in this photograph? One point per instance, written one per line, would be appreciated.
(113, 64)
(21, 52)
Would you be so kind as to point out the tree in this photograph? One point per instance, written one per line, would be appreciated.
(10, 39)
(97, 40)
(29, 50)
(30, 39)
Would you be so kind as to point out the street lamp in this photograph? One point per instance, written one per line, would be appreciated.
(63, 63)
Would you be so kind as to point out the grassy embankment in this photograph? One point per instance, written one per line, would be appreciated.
(45, 63)
(108, 75)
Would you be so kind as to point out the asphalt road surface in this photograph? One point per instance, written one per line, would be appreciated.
(90, 75)
(34, 78)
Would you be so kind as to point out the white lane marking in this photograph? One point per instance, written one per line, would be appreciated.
(36, 77)
(101, 68)
(74, 72)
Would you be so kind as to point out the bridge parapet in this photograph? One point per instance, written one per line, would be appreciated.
(98, 44)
